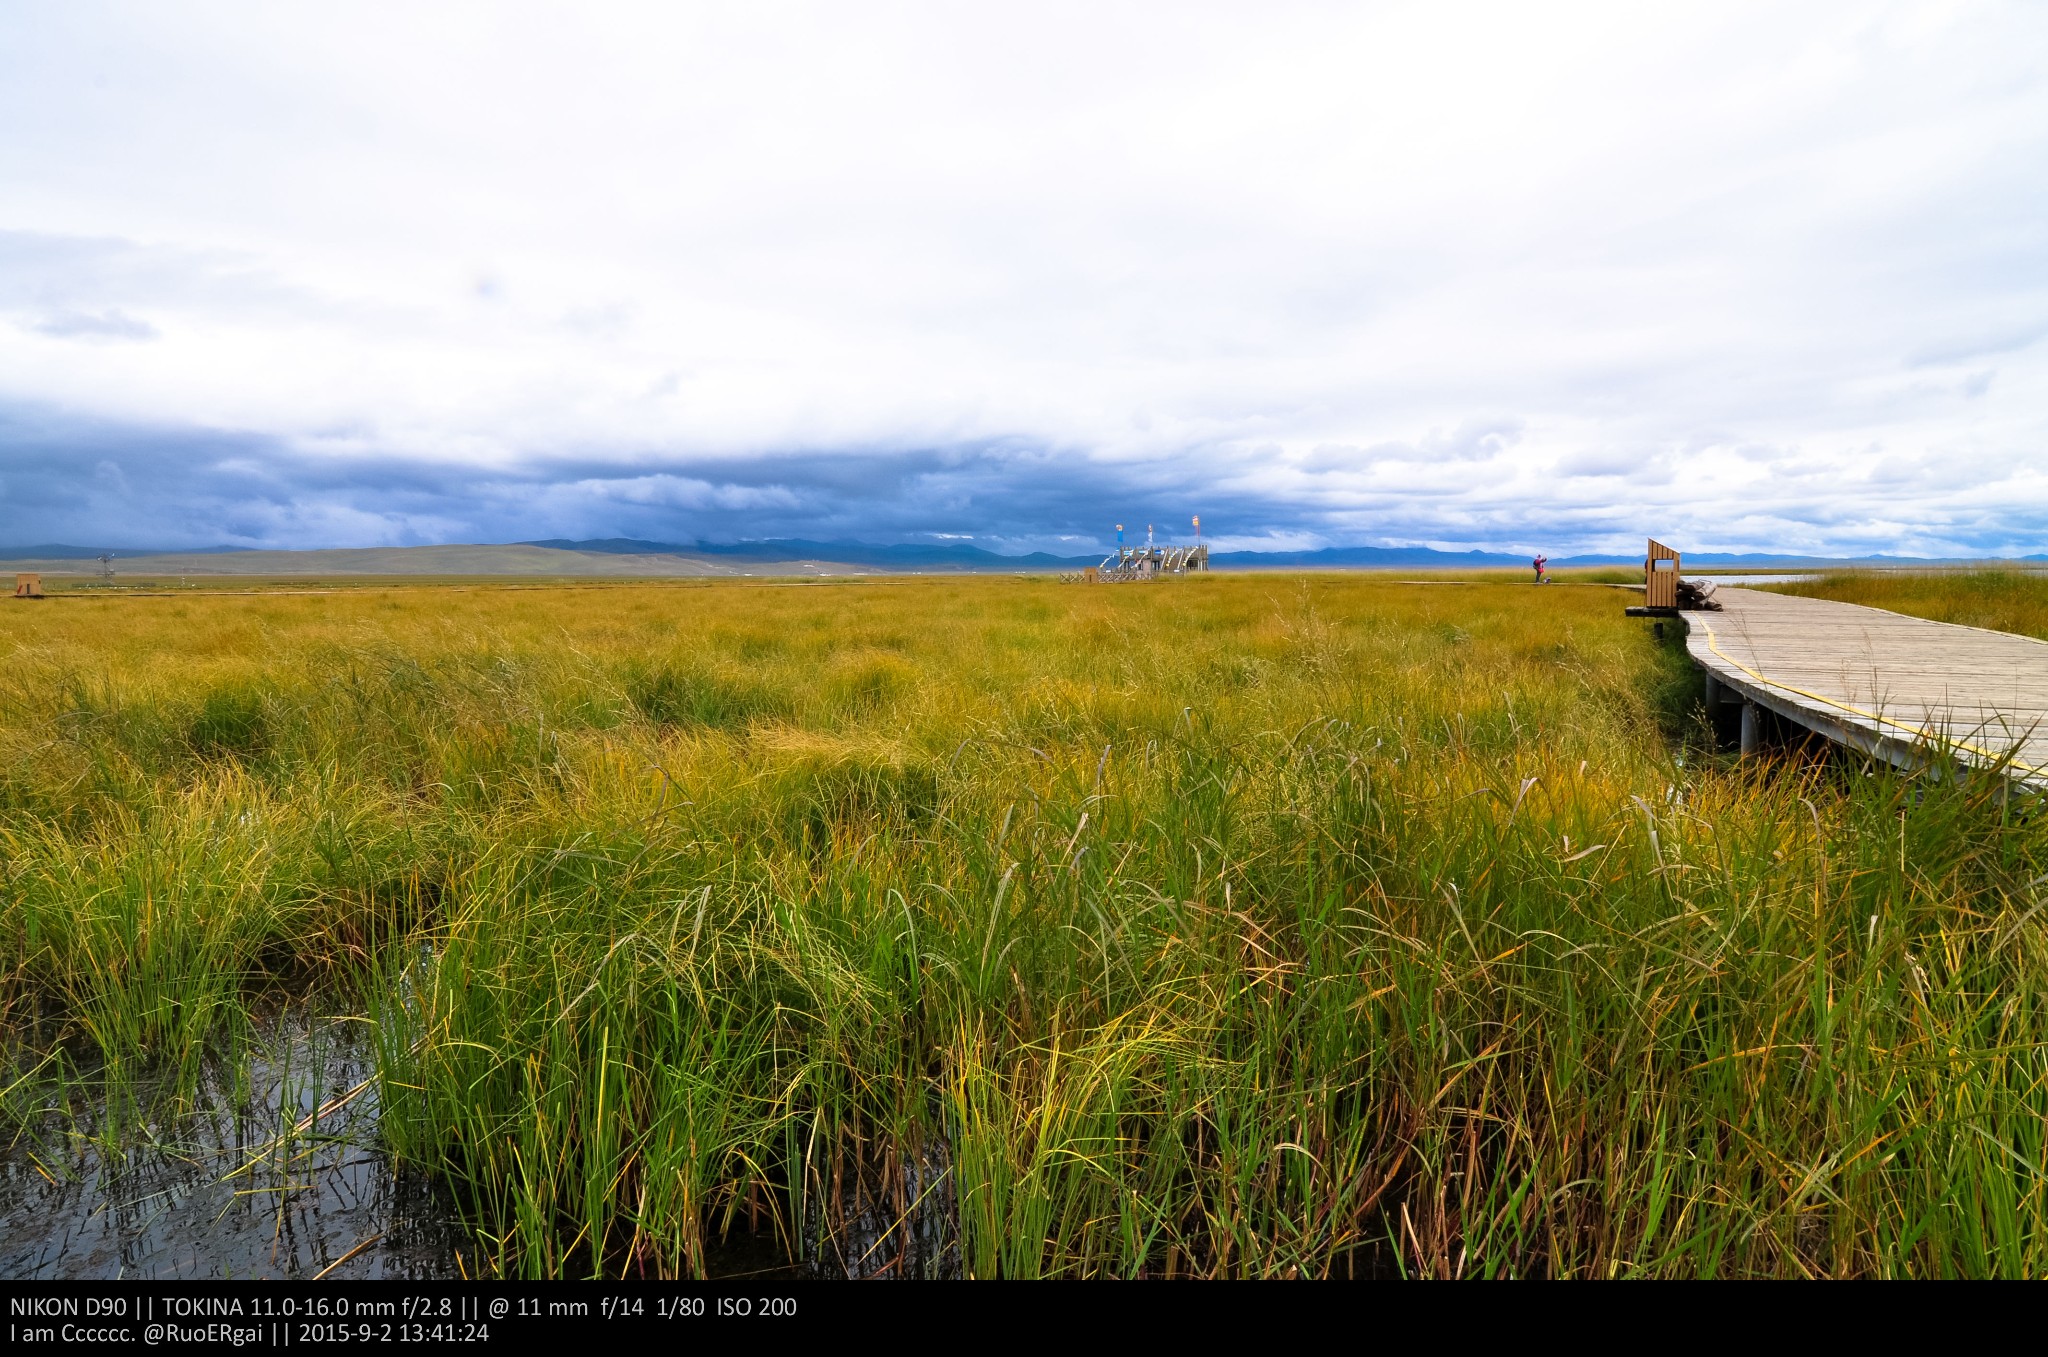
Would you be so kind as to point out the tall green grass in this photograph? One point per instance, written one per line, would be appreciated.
(1230, 927)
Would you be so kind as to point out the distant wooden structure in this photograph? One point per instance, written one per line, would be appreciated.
(1149, 562)
(28, 585)
(1660, 576)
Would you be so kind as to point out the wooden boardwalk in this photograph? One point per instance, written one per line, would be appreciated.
(1884, 683)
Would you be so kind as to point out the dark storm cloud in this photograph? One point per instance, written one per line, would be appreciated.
(94, 482)
(97, 483)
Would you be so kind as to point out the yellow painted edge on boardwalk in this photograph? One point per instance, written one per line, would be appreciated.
(1918, 733)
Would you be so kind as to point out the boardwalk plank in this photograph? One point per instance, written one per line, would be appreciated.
(1879, 679)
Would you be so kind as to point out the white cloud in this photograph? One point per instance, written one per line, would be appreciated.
(1477, 274)
(105, 325)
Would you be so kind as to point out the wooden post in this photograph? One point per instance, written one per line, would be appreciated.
(1749, 730)
(1660, 576)
(1713, 692)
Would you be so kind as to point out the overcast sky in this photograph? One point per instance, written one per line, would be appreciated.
(1517, 276)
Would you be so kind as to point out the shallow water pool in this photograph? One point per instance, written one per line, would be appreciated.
(271, 1169)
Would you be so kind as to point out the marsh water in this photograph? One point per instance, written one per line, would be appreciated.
(269, 1168)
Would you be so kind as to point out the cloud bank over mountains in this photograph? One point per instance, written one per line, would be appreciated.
(1494, 276)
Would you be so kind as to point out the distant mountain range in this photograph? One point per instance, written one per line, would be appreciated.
(904, 556)
(624, 557)
(59, 552)
(961, 556)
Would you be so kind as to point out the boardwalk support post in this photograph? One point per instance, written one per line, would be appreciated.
(1749, 729)
(1713, 693)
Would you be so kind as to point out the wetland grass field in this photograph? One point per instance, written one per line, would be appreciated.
(1245, 926)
